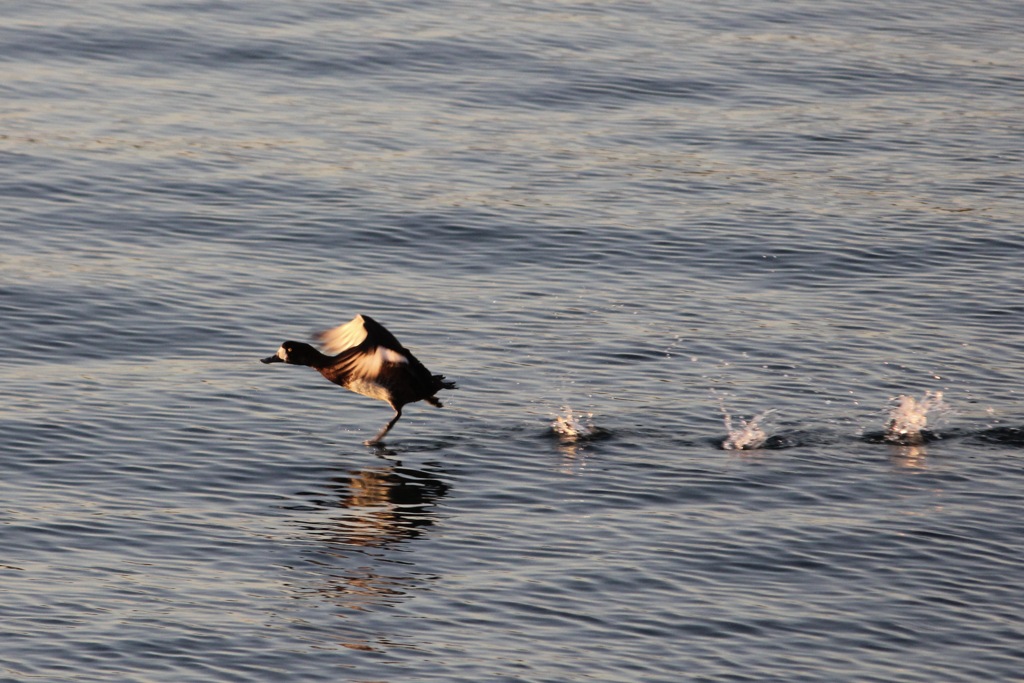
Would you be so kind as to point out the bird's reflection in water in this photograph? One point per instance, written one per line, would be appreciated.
(370, 514)
(382, 506)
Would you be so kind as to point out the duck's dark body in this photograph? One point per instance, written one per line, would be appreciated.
(369, 361)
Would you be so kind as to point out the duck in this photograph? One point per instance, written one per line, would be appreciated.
(362, 356)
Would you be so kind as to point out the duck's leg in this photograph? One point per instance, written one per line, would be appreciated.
(387, 427)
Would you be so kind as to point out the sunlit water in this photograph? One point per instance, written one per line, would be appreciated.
(646, 211)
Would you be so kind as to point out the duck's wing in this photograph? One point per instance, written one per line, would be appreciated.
(376, 364)
(380, 372)
(362, 330)
(377, 335)
(365, 351)
(342, 337)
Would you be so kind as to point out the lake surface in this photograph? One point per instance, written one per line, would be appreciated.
(639, 217)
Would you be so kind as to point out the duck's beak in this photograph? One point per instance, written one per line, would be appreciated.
(271, 359)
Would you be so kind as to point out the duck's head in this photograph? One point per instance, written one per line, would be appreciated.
(295, 353)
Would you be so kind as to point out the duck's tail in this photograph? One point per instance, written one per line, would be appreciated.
(439, 384)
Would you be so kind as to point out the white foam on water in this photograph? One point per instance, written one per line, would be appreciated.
(909, 417)
(573, 426)
(748, 434)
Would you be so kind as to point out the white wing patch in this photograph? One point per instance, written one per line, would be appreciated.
(390, 356)
(337, 339)
(370, 364)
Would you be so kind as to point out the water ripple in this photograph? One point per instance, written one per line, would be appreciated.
(642, 211)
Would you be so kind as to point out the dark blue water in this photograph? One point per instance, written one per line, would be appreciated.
(645, 213)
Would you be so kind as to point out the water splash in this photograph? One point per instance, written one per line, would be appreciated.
(749, 435)
(909, 417)
(574, 426)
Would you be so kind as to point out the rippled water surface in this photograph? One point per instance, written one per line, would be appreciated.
(641, 218)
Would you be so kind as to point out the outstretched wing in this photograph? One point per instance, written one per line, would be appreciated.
(342, 337)
(375, 365)
(368, 359)
(361, 329)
